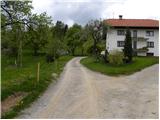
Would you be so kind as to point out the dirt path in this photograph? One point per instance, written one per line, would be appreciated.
(81, 93)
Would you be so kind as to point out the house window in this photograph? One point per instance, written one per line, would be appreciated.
(150, 54)
(120, 32)
(149, 33)
(134, 33)
(120, 43)
(150, 44)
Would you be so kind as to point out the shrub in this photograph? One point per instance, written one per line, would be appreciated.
(115, 57)
(90, 49)
(96, 55)
(128, 52)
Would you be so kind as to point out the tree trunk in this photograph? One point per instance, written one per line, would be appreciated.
(73, 51)
(35, 52)
(94, 48)
(82, 51)
(19, 56)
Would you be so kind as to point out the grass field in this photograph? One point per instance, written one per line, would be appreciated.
(24, 79)
(138, 64)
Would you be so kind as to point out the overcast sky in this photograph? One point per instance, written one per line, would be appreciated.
(81, 11)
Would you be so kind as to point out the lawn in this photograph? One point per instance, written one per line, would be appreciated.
(14, 80)
(138, 64)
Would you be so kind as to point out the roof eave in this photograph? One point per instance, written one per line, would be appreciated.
(136, 27)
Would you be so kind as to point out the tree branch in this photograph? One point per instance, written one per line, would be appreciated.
(9, 14)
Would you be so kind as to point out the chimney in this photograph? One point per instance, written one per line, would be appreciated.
(120, 17)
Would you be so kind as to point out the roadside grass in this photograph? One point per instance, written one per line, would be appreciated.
(138, 64)
(24, 79)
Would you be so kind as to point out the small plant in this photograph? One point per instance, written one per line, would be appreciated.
(116, 57)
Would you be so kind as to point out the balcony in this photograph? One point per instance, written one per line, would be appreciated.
(142, 39)
(143, 49)
(139, 39)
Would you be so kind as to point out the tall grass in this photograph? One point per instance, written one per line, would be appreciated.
(24, 79)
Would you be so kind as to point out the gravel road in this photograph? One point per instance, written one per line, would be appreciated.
(82, 93)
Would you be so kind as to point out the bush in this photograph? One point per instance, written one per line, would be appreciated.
(115, 57)
(91, 49)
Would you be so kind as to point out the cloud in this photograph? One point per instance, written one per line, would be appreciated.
(81, 11)
(78, 12)
(140, 9)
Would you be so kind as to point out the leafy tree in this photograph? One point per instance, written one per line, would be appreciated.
(14, 18)
(59, 32)
(38, 33)
(73, 37)
(56, 46)
(51, 46)
(128, 47)
(15, 12)
(91, 48)
(83, 38)
(98, 30)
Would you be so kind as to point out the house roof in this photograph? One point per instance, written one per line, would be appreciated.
(133, 23)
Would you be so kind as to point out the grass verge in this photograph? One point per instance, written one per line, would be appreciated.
(24, 79)
(138, 64)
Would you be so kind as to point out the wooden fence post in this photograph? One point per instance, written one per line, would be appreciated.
(38, 72)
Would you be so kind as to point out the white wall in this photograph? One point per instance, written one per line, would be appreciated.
(112, 38)
(141, 44)
(154, 39)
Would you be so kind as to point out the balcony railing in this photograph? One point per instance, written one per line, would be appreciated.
(139, 38)
(143, 49)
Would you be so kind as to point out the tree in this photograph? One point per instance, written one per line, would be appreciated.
(56, 46)
(38, 33)
(83, 38)
(128, 46)
(51, 54)
(14, 20)
(73, 37)
(15, 12)
(98, 30)
(59, 31)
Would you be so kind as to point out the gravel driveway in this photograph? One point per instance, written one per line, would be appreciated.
(82, 93)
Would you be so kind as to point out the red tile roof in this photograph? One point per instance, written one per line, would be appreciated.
(133, 22)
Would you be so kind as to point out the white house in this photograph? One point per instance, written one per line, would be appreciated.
(144, 32)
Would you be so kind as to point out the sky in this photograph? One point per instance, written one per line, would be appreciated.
(82, 11)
